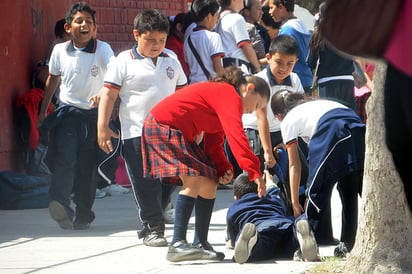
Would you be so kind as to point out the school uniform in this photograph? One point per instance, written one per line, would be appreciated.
(297, 29)
(141, 85)
(275, 231)
(231, 27)
(208, 46)
(174, 123)
(336, 142)
(73, 138)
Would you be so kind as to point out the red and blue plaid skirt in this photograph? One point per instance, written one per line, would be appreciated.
(168, 155)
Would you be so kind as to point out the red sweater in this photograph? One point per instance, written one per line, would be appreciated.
(216, 109)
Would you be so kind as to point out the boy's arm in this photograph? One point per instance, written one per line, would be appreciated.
(295, 171)
(251, 56)
(217, 64)
(108, 96)
(264, 134)
(52, 82)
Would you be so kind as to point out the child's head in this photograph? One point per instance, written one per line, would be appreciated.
(177, 24)
(252, 11)
(253, 90)
(283, 101)
(201, 9)
(80, 23)
(150, 30)
(281, 9)
(271, 26)
(242, 185)
(282, 56)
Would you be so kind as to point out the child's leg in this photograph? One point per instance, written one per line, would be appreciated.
(349, 189)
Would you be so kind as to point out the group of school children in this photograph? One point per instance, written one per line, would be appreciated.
(174, 133)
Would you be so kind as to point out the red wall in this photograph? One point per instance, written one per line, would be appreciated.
(27, 29)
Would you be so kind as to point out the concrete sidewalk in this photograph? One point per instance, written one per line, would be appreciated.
(31, 242)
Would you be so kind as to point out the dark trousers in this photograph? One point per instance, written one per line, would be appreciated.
(340, 91)
(74, 166)
(147, 191)
(349, 188)
(398, 124)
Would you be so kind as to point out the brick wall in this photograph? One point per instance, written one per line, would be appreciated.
(115, 18)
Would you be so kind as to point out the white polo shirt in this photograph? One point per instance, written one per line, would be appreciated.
(232, 30)
(142, 85)
(81, 71)
(291, 83)
(208, 45)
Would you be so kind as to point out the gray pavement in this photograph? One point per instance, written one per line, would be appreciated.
(31, 242)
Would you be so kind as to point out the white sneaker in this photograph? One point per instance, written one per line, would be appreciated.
(100, 194)
(306, 240)
(115, 190)
(245, 243)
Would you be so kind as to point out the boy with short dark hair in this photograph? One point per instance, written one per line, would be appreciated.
(203, 48)
(259, 228)
(79, 67)
(141, 77)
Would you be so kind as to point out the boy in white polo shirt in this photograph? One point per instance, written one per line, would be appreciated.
(141, 77)
(235, 38)
(77, 67)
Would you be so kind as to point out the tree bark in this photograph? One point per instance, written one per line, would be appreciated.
(384, 237)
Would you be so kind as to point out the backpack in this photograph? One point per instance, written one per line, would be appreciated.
(19, 191)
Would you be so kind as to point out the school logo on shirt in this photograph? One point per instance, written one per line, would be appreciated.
(94, 71)
(170, 72)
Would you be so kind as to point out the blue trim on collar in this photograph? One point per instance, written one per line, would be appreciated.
(136, 55)
(286, 82)
(90, 48)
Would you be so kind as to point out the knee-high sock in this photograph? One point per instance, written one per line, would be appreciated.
(183, 209)
(203, 214)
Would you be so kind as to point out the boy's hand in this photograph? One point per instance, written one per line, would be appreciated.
(104, 139)
(297, 209)
(261, 187)
(94, 101)
(226, 178)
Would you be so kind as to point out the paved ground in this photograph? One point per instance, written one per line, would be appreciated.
(31, 242)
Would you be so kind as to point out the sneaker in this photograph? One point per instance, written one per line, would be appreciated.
(60, 215)
(100, 194)
(297, 256)
(209, 253)
(82, 222)
(341, 250)
(116, 190)
(155, 239)
(183, 251)
(306, 240)
(245, 243)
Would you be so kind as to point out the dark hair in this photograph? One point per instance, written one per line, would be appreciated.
(283, 101)
(59, 30)
(242, 185)
(151, 20)
(234, 76)
(267, 19)
(317, 42)
(288, 4)
(284, 44)
(79, 6)
(201, 8)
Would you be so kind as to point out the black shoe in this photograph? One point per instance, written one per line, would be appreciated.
(182, 251)
(341, 250)
(155, 239)
(60, 215)
(83, 221)
(209, 253)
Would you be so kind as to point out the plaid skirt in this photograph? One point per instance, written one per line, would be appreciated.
(168, 155)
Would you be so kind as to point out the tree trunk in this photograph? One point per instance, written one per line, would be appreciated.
(384, 236)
